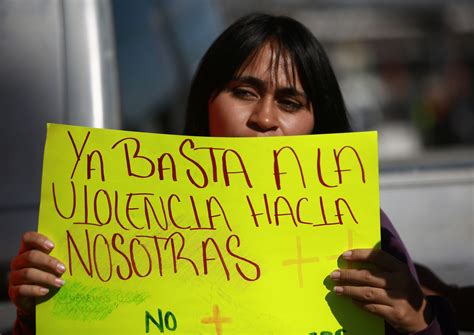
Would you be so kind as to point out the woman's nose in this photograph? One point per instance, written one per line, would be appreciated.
(264, 117)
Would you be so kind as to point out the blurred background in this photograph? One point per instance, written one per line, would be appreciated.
(406, 69)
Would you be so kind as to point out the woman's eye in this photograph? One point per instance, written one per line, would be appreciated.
(243, 93)
(290, 105)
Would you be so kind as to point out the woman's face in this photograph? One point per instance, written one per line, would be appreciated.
(258, 104)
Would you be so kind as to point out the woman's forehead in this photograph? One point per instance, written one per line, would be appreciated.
(271, 63)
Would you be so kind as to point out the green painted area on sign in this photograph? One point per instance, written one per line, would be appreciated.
(76, 301)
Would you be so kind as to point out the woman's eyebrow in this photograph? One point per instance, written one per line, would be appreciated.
(259, 84)
(291, 91)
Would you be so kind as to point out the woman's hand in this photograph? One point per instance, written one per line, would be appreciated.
(387, 289)
(33, 272)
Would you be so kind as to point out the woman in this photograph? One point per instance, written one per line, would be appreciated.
(266, 76)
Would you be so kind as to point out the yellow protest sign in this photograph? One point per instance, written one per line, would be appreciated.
(200, 235)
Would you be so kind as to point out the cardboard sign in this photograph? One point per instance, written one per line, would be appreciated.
(204, 235)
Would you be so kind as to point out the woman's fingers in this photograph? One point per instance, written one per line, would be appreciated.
(23, 296)
(32, 276)
(374, 256)
(366, 294)
(368, 277)
(400, 316)
(21, 291)
(38, 259)
(25, 284)
(33, 240)
(395, 311)
(383, 311)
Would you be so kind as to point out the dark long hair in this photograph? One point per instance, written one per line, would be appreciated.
(235, 48)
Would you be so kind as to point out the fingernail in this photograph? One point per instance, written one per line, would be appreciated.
(59, 282)
(347, 254)
(61, 268)
(44, 290)
(48, 244)
(338, 289)
(335, 275)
